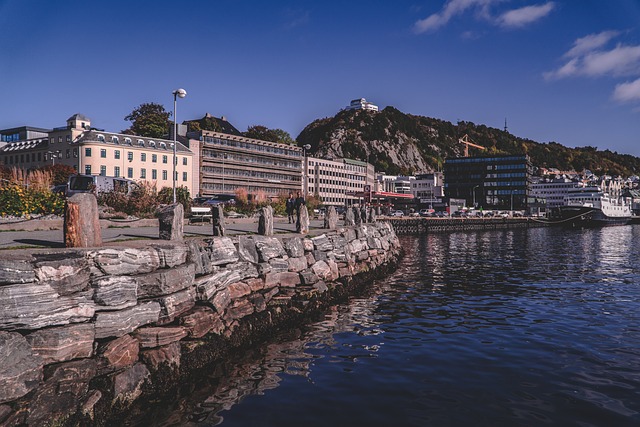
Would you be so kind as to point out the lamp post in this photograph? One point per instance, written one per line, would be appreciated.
(305, 184)
(474, 195)
(176, 93)
(54, 155)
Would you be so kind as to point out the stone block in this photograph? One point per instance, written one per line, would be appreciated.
(207, 286)
(20, 368)
(258, 302)
(284, 279)
(293, 246)
(307, 244)
(168, 355)
(157, 336)
(269, 247)
(171, 254)
(175, 304)
(297, 264)
(238, 290)
(166, 281)
(126, 261)
(120, 352)
(265, 221)
(171, 222)
(121, 322)
(279, 264)
(247, 249)
(127, 385)
(63, 343)
(255, 284)
(374, 243)
(66, 272)
(17, 269)
(239, 309)
(322, 270)
(222, 251)
(308, 277)
(37, 305)
(199, 321)
(331, 218)
(115, 292)
(244, 269)
(221, 301)
(322, 243)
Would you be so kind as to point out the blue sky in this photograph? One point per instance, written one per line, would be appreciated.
(564, 71)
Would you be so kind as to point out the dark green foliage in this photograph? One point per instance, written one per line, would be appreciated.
(150, 120)
(265, 134)
(437, 140)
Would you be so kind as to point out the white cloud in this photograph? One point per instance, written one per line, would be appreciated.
(589, 43)
(517, 18)
(628, 91)
(450, 9)
(619, 61)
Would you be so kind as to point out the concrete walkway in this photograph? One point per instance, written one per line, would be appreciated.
(49, 233)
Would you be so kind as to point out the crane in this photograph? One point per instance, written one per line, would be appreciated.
(467, 141)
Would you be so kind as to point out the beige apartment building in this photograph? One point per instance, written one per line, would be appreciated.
(95, 152)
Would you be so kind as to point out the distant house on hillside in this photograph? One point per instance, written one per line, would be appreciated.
(361, 104)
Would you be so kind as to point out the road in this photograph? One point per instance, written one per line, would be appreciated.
(55, 238)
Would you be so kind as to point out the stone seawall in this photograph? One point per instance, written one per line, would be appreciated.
(87, 334)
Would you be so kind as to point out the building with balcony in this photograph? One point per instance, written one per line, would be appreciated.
(229, 162)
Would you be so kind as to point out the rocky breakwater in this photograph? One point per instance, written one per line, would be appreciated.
(90, 334)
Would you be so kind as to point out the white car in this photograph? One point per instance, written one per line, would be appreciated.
(397, 213)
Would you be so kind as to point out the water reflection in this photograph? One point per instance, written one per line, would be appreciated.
(504, 327)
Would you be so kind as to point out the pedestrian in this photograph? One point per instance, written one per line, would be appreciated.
(299, 202)
(290, 206)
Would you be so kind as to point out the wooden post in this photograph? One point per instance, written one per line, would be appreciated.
(81, 222)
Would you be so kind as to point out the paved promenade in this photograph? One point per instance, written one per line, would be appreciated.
(49, 233)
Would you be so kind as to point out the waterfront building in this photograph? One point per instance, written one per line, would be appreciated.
(339, 182)
(362, 104)
(490, 183)
(95, 152)
(230, 161)
(428, 188)
(553, 191)
(394, 183)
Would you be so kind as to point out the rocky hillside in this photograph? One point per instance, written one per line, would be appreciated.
(400, 143)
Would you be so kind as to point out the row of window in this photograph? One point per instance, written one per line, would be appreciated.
(244, 173)
(130, 173)
(243, 158)
(128, 141)
(231, 188)
(143, 156)
(252, 146)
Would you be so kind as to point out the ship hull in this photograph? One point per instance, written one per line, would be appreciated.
(576, 216)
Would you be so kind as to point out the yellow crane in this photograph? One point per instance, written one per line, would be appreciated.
(467, 142)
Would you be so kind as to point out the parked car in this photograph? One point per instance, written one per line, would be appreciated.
(442, 214)
(426, 212)
(397, 213)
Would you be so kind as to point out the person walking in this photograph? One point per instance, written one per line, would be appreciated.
(290, 207)
(299, 202)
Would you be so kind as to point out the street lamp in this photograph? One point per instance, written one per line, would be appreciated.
(176, 93)
(305, 184)
(474, 195)
(54, 155)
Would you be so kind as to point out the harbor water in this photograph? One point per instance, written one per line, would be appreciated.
(521, 327)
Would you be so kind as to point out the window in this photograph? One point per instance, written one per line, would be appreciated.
(164, 175)
(116, 154)
(143, 173)
(151, 143)
(130, 156)
(75, 152)
(59, 140)
(115, 140)
(154, 174)
(87, 169)
(141, 142)
(87, 152)
(116, 171)
(103, 153)
(184, 161)
(101, 138)
(129, 172)
(103, 170)
(67, 153)
(143, 157)
(127, 141)
(164, 159)
(184, 176)
(154, 158)
(68, 138)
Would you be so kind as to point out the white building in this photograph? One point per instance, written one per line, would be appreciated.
(394, 183)
(361, 104)
(429, 188)
(339, 181)
(553, 191)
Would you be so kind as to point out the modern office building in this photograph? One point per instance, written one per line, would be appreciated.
(230, 162)
(96, 152)
(490, 183)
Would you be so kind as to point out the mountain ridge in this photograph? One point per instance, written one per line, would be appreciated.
(404, 144)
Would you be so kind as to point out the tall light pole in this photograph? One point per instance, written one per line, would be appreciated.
(176, 93)
(474, 195)
(305, 184)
